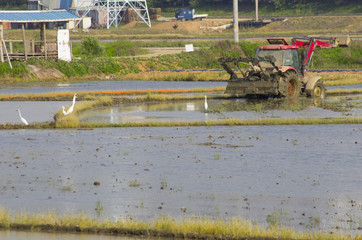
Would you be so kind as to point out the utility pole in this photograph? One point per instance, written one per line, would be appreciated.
(256, 11)
(236, 20)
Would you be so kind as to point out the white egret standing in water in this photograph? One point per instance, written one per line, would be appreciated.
(206, 106)
(21, 118)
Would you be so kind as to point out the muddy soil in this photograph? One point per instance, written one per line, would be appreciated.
(193, 27)
(307, 177)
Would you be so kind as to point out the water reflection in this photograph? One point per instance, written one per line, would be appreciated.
(230, 108)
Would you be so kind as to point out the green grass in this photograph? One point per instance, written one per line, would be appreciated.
(205, 58)
(336, 58)
(194, 227)
(134, 183)
(111, 49)
(74, 123)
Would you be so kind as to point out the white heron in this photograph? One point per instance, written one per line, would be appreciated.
(64, 112)
(70, 110)
(74, 97)
(21, 118)
(206, 106)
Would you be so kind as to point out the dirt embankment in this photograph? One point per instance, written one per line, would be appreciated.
(193, 27)
(334, 24)
(340, 24)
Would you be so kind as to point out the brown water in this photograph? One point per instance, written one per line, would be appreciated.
(308, 177)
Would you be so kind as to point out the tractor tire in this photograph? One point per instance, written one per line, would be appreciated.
(318, 91)
(290, 87)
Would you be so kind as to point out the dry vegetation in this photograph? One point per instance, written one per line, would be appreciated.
(167, 227)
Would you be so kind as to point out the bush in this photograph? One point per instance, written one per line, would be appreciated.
(108, 66)
(121, 48)
(18, 69)
(250, 48)
(90, 46)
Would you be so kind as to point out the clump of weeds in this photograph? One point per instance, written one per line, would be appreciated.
(276, 219)
(163, 183)
(99, 208)
(134, 183)
(216, 156)
(313, 223)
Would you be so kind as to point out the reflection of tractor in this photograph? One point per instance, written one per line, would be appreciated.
(278, 69)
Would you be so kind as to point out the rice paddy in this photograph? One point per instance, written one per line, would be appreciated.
(118, 199)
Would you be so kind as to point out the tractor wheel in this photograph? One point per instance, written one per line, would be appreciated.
(291, 86)
(318, 91)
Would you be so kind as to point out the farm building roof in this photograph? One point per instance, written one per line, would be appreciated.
(37, 16)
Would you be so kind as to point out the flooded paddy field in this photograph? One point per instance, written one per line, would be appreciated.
(193, 110)
(307, 177)
(33, 111)
(89, 86)
(45, 87)
(226, 109)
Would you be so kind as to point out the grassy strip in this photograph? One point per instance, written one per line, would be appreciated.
(71, 121)
(191, 227)
(338, 92)
(342, 82)
(230, 122)
(177, 76)
(204, 58)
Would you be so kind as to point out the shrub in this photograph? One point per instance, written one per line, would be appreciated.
(109, 66)
(18, 69)
(90, 46)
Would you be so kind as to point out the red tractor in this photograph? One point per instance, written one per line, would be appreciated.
(277, 70)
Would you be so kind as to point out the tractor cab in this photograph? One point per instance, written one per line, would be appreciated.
(283, 56)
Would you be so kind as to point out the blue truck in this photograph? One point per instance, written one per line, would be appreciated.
(185, 14)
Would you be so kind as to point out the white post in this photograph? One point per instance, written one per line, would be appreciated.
(108, 14)
(1, 39)
(256, 10)
(236, 20)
